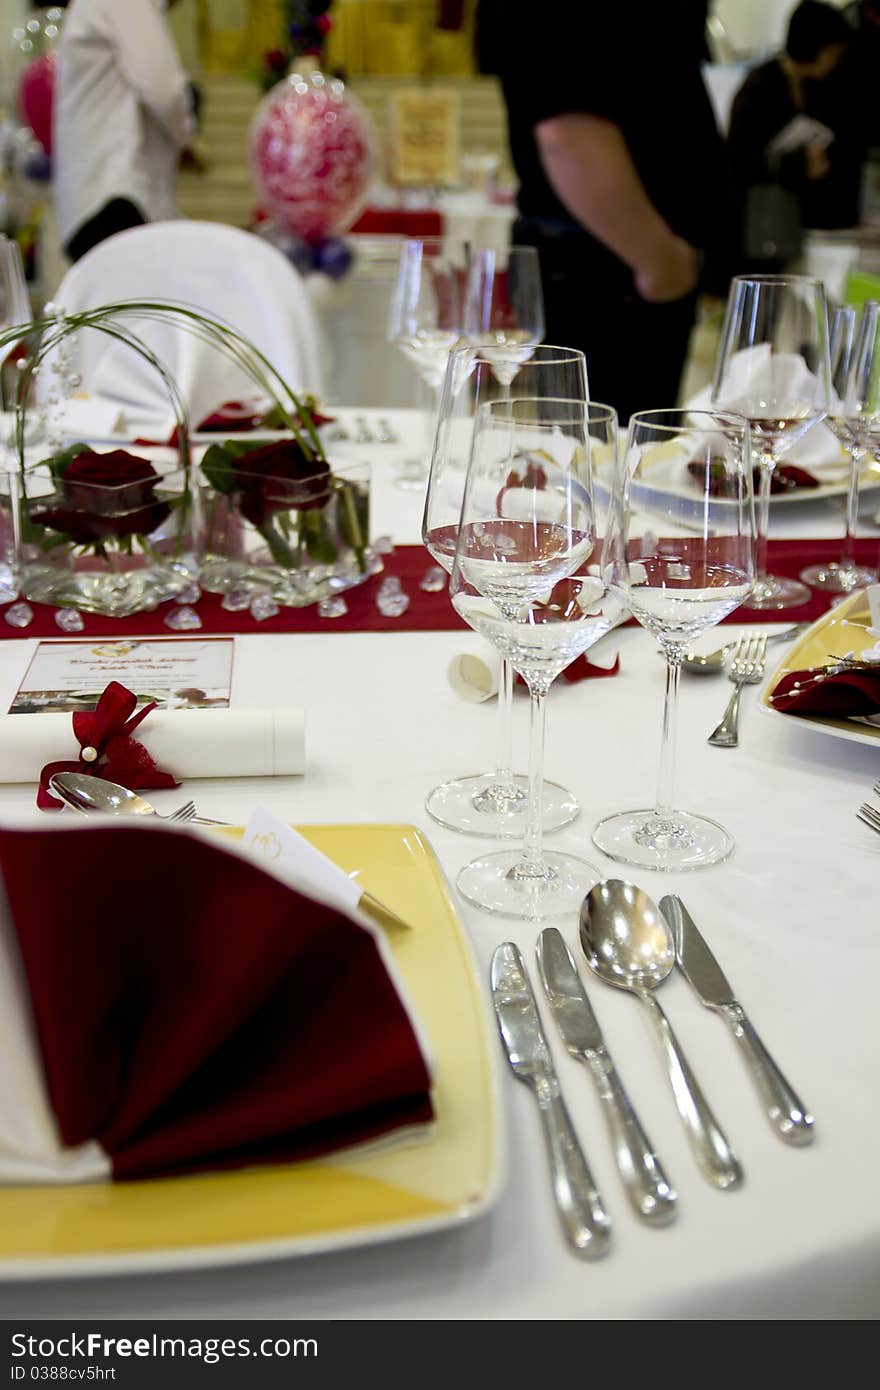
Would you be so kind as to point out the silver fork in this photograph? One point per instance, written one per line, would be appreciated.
(745, 667)
(869, 815)
(187, 812)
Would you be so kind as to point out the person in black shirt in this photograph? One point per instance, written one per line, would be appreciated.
(825, 178)
(621, 181)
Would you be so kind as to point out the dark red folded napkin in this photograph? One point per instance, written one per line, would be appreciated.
(845, 691)
(193, 1012)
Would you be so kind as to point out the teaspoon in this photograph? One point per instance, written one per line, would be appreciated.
(85, 793)
(627, 942)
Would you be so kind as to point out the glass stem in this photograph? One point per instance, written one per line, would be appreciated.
(504, 760)
(848, 557)
(666, 778)
(767, 464)
(533, 849)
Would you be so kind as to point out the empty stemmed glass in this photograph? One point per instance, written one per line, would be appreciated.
(773, 368)
(525, 577)
(426, 321)
(505, 308)
(677, 586)
(494, 802)
(849, 337)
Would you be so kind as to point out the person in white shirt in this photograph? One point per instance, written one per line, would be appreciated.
(122, 117)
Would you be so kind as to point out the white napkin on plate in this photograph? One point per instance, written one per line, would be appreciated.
(188, 743)
(779, 378)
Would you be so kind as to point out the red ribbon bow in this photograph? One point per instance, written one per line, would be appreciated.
(107, 748)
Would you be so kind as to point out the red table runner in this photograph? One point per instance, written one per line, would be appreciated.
(427, 612)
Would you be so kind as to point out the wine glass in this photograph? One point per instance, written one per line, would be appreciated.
(678, 585)
(426, 320)
(505, 308)
(847, 349)
(774, 368)
(14, 301)
(525, 577)
(494, 803)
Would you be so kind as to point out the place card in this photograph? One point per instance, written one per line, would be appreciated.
(424, 136)
(177, 673)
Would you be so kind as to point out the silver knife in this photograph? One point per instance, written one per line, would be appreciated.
(583, 1216)
(647, 1186)
(784, 1108)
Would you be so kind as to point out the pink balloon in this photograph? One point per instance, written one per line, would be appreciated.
(312, 154)
(36, 90)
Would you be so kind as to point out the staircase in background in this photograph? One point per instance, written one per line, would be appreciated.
(225, 193)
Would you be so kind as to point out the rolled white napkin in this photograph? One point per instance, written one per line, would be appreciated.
(188, 743)
(475, 675)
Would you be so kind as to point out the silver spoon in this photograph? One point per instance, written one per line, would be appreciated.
(627, 942)
(712, 664)
(85, 793)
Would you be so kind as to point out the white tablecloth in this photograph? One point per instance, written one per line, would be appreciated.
(793, 918)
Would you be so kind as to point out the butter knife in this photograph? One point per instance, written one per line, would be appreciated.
(581, 1211)
(784, 1108)
(647, 1186)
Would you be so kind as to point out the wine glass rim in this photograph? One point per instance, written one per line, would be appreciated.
(503, 404)
(715, 419)
(778, 279)
(567, 354)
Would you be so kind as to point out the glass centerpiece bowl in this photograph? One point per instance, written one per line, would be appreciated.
(278, 523)
(115, 533)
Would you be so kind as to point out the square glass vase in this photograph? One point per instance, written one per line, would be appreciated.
(116, 548)
(296, 541)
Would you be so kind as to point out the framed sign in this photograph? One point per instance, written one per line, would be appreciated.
(425, 125)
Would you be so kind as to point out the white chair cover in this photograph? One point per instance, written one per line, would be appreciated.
(222, 270)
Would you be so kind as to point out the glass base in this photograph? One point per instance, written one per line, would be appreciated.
(480, 805)
(838, 577)
(673, 843)
(498, 883)
(772, 591)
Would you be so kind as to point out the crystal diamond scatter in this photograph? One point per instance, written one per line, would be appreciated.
(182, 620)
(391, 601)
(19, 615)
(335, 607)
(236, 600)
(433, 580)
(375, 563)
(69, 620)
(191, 594)
(383, 545)
(263, 607)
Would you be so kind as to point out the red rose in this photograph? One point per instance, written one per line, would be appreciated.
(279, 477)
(104, 496)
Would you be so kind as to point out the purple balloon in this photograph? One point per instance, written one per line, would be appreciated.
(38, 167)
(333, 257)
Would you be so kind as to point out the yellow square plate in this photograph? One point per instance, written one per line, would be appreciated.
(841, 630)
(334, 1203)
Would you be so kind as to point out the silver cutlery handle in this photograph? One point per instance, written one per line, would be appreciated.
(583, 1216)
(711, 1149)
(786, 1111)
(647, 1186)
(727, 733)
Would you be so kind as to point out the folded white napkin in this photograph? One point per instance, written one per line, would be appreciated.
(779, 378)
(89, 418)
(188, 743)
